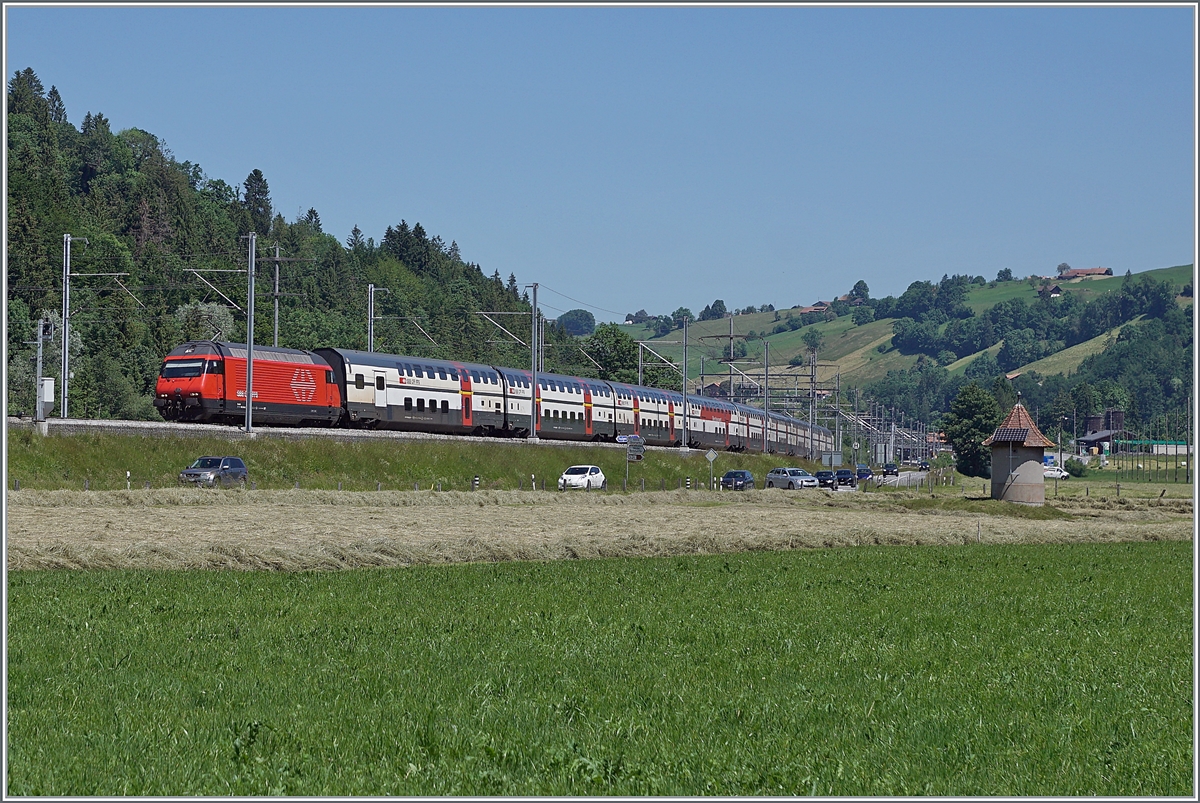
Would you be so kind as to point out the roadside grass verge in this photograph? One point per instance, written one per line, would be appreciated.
(1003, 670)
(67, 461)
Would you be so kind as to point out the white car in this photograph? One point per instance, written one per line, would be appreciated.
(790, 478)
(586, 477)
(1055, 473)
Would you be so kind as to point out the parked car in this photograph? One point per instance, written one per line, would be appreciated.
(891, 469)
(790, 478)
(846, 477)
(825, 479)
(864, 472)
(213, 470)
(586, 477)
(923, 465)
(1055, 473)
(737, 480)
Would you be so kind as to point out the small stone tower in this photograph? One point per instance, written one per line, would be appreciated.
(1017, 451)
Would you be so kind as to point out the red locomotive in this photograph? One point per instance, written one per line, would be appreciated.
(205, 381)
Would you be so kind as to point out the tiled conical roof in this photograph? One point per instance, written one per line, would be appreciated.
(1019, 428)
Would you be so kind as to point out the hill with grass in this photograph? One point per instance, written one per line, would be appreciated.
(958, 330)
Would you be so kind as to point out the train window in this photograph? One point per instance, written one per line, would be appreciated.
(407, 402)
(379, 383)
(445, 406)
(218, 367)
(359, 382)
(433, 405)
(420, 405)
(441, 373)
(474, 376)
(453, 374)
(329, 377)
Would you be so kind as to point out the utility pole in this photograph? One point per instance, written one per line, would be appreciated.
(766, 390)
(371, 316)
(66, 319)
(686, 439)
(277, 259)
(45, 331)
(250, 336)
(534, 348)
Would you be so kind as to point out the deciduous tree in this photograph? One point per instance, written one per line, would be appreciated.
(973, 416)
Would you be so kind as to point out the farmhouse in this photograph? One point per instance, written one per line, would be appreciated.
(1082, 273)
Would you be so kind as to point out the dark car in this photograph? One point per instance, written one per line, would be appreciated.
(923, 465)
(737, 480)
(846, 477)
(825, 479)
(213, 470)
(864, 472)
(891, 470)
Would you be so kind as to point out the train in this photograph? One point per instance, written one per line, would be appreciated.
(204, 381)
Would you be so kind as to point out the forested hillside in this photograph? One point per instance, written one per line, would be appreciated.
(155, 220)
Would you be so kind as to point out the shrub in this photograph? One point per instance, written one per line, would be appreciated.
(1075, 467)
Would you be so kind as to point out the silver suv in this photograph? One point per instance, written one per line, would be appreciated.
(212, 470)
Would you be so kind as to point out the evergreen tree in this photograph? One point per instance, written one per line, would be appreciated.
(257, 202)
(313, 220)
(54, 104)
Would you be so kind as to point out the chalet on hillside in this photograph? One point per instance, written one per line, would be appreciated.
(1083, 273)
(820, 306)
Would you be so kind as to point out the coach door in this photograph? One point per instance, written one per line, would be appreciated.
(380, 389)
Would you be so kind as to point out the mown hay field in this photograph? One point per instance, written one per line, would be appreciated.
(303, 530)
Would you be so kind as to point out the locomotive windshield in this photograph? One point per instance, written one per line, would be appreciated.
(175, 369)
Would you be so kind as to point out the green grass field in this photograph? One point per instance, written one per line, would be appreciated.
(989, 670)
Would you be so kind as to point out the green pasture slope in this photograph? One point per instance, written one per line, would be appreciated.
(856, 349)
(968, 670)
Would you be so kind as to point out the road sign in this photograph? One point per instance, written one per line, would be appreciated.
(622, 438)
(635, 448)
(710, 455)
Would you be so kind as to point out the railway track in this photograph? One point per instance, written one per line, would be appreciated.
(173, 429)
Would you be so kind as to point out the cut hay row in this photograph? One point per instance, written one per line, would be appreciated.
(326, 530)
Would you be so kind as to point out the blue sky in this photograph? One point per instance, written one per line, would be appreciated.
(630, 158)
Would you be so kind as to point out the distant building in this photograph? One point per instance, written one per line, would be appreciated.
(820, 306)
(1081, 273)
(1018, 450)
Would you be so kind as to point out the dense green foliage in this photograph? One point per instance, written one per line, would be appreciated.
(997, 670)
(1146, 372)
(974, 415)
